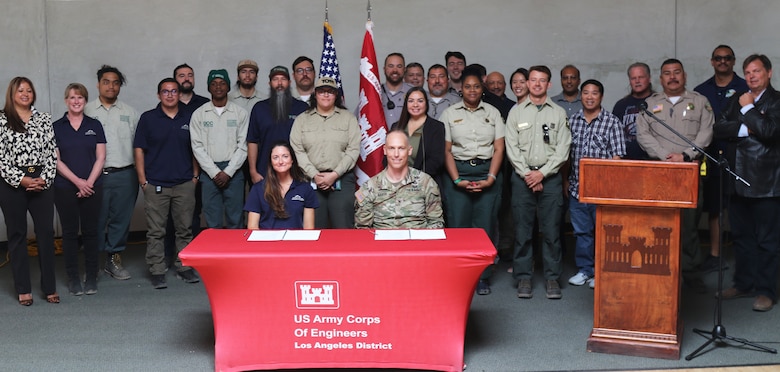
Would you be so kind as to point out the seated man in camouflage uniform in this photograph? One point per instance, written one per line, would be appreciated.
(399, 196)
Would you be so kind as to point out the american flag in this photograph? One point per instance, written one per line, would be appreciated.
(329, 63)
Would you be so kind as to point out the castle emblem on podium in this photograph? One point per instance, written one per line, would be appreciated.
(317, 294)
(636, 256)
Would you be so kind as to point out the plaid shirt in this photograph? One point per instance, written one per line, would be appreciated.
(602, 138)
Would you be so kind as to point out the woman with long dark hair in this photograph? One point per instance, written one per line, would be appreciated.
(27, 167)
(518, 84)
(78, 192)
(426, 134)
(283, 199)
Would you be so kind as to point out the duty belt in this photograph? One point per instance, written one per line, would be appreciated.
(475, 162)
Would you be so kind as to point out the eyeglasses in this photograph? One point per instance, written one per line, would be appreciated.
(166, 92)
(723, 58)
(326, 92)
(307, 70)
(546, 131)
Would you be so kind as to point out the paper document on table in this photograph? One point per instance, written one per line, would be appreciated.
(302, 235)
(266, 235)
(391, 235)
(427, 234)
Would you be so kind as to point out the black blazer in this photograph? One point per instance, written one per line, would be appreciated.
(757, 156)
(430, 155)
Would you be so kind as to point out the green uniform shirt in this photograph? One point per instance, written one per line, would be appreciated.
(525, 142)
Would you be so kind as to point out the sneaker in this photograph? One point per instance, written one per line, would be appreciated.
(158, 281)
(74, 287)
(524, 289)
(579, 279)
(114, 267)
(188, 276)
(90, 285)
(553, 290)
(483, 287)
(711, 265)
(592, 283)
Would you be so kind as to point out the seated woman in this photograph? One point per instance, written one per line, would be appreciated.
(282, 200)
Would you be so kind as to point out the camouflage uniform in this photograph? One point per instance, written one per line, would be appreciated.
(413, 203)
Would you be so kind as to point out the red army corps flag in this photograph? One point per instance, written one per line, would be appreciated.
(371, 116)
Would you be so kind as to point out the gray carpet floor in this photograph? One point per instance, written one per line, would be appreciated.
(128, 326)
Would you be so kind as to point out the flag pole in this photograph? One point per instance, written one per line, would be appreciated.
(368, 9)
(326, 10)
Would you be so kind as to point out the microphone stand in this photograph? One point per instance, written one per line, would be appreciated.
(718, 334)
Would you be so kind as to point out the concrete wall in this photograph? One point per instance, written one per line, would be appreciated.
(55, 42)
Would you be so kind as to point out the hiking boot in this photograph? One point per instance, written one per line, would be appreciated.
(524, 289)
(553, 290)
(114, 267)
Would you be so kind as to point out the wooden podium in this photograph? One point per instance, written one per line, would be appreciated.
(637, 296)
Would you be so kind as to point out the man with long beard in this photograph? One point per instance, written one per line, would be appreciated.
(271, 121)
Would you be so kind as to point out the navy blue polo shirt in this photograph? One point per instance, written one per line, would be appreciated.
(195, 102)
(77, 148)
(719, 96)
(265, 131)
(166, 145)
(300, 196)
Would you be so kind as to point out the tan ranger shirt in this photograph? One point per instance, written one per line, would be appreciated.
(329, 143)
(525, 137)
(472, 132)
(691, 116)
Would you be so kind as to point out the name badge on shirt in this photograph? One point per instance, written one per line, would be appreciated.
(522, 125)
(232, 123)
(208, 124)
(457, 121)
(125, 118)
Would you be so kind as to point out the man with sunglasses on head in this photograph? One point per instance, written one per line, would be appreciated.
(394, 89)
(537, 144)
(718, 89)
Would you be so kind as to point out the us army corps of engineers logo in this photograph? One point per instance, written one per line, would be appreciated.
(318, 294)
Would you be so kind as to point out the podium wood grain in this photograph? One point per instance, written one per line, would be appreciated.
(637, 294)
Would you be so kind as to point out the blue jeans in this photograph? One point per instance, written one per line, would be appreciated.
(583, 220)
(223, 204)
